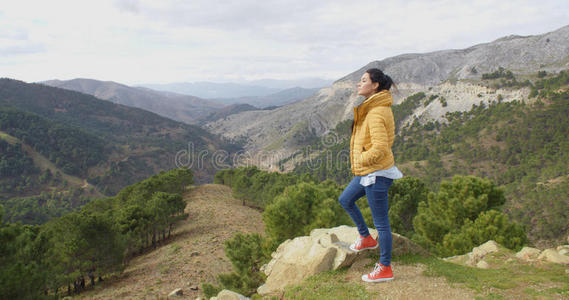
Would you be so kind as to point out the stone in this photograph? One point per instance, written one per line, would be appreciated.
(229, 295)
(528, 253)
(194, 287)
(195, 253)
(323, 250)
(176, 292)
(484, 249)
(551, 255)
(482, 265)
(563, 251)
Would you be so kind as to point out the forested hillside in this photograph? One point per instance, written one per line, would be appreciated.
(48, 260)
(64, 148)
(521, 145)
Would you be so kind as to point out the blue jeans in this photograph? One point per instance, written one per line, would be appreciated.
(377, 200)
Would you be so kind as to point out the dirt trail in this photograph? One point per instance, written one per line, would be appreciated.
(193, 255)
(408, 283)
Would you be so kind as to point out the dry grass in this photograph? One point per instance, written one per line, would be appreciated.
(192, 256)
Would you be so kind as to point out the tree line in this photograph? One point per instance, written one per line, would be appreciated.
(60, 256)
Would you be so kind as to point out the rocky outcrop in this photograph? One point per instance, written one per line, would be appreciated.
(551, 255)
(528, 254)
(322, 250)
(477, 256)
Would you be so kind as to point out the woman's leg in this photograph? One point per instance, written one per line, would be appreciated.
(353, 192)
(377, 199)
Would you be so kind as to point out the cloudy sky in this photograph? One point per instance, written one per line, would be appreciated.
(143, 41)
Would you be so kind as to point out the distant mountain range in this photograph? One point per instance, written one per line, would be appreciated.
(183, 108)
(234, 90)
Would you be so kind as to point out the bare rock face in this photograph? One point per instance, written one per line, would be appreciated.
(323, 250)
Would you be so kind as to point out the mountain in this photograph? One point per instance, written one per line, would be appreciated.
(255, 88)
(520, 54)
(126, 144)
(454, 74)
(183, 108)
(227, 111)
(212, 90)
(283, 97)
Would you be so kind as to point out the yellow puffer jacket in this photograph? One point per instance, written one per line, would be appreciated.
(372, 135)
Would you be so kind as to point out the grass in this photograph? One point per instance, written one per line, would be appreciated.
(507, 280)
(328, 285)
(515, 277)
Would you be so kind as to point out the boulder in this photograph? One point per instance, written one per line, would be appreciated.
(323, 250)
(551, 255)
(528, 253)
(477, 255)
(229, 295)
(484, 249)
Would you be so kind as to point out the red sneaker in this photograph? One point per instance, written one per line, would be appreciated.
(380, 273)
(364, 243)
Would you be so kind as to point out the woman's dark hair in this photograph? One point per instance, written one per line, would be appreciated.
(385, 82)
(376, 75)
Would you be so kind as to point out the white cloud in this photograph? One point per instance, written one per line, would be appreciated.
(133, 41)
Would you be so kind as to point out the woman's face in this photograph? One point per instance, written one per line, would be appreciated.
(367, 88)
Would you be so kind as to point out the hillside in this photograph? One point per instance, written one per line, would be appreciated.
(192, 256)
(454, 74)
(521, 145)
(183, 108)
(102, 144)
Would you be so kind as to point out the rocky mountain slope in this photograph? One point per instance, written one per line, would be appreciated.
(183, 108)
(455, 74)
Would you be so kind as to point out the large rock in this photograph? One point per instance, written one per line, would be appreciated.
(323, 250)
(477, 255)
(553, 256)
(485, 249)
(528, 253)
(229, 295)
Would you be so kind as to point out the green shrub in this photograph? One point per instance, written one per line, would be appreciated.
(303, 207)
(455, 210)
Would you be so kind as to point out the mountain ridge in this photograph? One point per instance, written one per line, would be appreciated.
(286, 128)
(184, 108)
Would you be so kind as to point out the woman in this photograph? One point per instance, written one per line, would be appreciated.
(373, 167)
